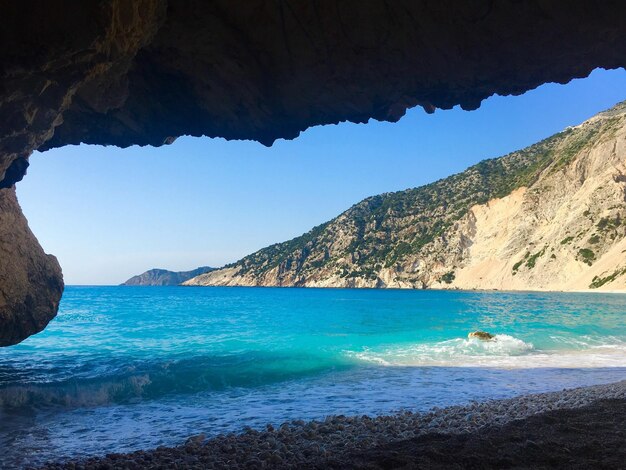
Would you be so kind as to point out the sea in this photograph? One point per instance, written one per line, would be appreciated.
(126, 368)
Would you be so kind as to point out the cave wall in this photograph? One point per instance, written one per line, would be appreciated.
(49, 51)
(30, 281)
(124, 72)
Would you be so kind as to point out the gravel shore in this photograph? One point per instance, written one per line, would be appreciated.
(321, 444)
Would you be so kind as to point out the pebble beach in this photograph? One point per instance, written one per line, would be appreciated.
(316, 444)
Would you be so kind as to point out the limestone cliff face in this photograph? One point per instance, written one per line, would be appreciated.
(552, 216)
(164, 277)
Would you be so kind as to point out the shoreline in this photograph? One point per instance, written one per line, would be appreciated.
(407, 289)
(328, 443)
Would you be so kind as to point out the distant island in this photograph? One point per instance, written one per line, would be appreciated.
(549, 217)
(163, 277)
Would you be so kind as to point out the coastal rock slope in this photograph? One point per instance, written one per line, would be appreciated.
(163, 277)
(551, 216)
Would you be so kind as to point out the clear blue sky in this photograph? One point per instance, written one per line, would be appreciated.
(109, 213)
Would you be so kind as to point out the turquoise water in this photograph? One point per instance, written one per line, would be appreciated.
(122, 368)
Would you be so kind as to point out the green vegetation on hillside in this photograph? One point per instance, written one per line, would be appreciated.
(586, 256)
(384, 230)
(600, 281)
(448, 277)
(608, 223)
(532, 260)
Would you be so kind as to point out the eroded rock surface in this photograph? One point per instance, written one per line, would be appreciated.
(144, 72)
(266, 70)
(50, 54)
(30, 281)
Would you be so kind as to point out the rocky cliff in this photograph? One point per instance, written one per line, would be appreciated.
(30, 280)
(163, 277)
(551, 216)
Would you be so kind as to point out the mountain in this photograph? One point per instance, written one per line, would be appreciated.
(548, 217)
(163, 277)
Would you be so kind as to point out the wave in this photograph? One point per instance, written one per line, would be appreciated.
(120, 381)
(151, 380)
(504, 351)
(77, 393)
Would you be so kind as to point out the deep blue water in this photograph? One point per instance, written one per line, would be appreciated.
(122, 368)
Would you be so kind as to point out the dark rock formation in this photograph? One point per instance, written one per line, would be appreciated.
(49, 50)
(266, 70)
(14, 173)
(144, 72)
(30, 281)
(481, 335)
(163, 277)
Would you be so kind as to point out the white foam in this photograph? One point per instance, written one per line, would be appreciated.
(504, 351)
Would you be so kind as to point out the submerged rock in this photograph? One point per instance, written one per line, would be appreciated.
(481, 335)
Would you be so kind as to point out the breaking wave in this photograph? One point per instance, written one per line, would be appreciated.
(153, 380)
(503, 351)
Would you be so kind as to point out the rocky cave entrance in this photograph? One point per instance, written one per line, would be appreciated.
(123, 73)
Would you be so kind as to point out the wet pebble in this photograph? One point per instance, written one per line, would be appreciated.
(296, 443)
